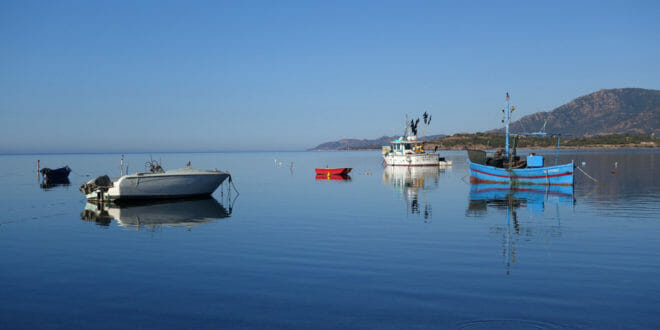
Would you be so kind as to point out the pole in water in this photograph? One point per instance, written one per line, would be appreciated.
(508, 117)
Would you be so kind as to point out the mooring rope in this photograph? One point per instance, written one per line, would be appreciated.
(464, 181)
(585, 173)
(231, 181)
(80, 175)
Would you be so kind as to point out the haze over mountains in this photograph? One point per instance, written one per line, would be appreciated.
(608, 111)
(359, 143)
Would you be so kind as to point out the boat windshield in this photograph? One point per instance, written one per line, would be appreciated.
(402, 146)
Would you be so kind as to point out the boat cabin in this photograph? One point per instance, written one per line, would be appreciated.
(402, 147)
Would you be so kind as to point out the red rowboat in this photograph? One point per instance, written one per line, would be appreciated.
(333, 171)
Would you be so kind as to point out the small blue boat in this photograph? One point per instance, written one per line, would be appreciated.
(506, 168)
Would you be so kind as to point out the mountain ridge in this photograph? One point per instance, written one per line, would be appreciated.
(607, 111)
(604, 112)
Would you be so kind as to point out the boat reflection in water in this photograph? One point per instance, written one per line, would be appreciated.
(47, 184)
(412, 182)
(333, 177)
(503, 198)
(172, 213)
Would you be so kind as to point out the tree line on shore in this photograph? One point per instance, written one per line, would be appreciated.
(496, 141)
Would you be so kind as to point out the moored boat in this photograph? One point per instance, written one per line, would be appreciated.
(333, 171)
(409, 151)
(157, 184)
(506, 167)
(55, 176)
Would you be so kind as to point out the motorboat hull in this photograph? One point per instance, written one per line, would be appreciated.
(172, 184)
(551, 175)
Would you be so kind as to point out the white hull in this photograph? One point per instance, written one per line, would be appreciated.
(185, 182)
(421, 159)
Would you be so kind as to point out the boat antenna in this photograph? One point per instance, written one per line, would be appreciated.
(405, 133)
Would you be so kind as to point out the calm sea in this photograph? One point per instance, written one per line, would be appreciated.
(418, 248)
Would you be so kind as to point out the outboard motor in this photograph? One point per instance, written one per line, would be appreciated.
(103, 182)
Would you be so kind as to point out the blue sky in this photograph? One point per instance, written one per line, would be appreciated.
(122, 76)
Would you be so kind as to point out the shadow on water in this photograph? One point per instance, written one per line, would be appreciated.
(509, 200)
(152, 214)
(412, 183)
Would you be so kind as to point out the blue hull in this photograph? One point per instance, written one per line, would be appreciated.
(551, 175)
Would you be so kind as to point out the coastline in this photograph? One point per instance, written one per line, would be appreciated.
(431, 146)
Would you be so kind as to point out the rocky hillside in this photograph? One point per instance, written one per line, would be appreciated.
(608, 111)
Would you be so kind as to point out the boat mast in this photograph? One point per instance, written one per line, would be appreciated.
(508, 117)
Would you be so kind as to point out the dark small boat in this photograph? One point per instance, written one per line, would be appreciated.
(333, 171)
(56, 175)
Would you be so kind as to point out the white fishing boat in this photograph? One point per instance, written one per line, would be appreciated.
(156, 184)
(409, 151)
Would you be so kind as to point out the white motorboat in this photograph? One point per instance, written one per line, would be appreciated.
(158, 184)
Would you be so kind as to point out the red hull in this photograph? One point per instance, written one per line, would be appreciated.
(333, 171)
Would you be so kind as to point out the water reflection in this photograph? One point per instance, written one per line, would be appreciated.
(503, 196)
(508, 200)
(412, 182)
(336, 177)
(47, 184)
(179, 213)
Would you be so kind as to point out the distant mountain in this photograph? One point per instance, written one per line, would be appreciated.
(361, 144)
(608, 111)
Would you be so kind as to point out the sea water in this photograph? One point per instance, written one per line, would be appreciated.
(282, 248)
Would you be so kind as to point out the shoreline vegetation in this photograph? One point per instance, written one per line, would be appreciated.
(462, 141)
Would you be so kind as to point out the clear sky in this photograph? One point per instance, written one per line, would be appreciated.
(122, 76)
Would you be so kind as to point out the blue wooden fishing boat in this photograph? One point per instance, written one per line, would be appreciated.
(509, 168)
